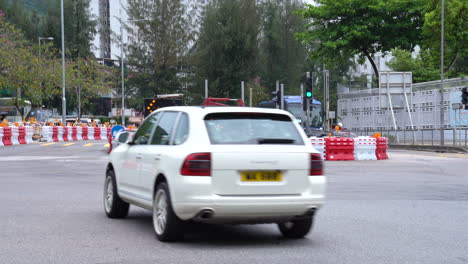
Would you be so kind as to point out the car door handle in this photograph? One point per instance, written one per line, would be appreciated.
(158, 157)
(139, 156)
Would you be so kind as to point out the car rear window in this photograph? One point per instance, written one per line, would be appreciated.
(252, 128)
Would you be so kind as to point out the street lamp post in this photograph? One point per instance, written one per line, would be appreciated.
(122, 63)
(442, 34)
(64, 100)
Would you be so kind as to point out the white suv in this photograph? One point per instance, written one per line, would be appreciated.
(218, 165)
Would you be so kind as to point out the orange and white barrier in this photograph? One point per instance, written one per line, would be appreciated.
(360, 148)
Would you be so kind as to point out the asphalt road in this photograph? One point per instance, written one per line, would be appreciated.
(412, 208)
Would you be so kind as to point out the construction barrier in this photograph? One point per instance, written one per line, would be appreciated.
(381, 150)
(22, 135)
(7, 136)
(91, 133)
(65, 133)
(97, 133)
(26, 133)
(319, 145)
(1, 137)
(360, 148)
(103, 132)
(70, 133)
(47, 134)
(364, 148)
(85, 133)
(79, 133)
(339, 149)
(14, 135)
(74, 133)
(29, 134)
(60, 133)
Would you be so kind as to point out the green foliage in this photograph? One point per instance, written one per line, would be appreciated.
(227, 50)
(456, 35)
(423, 65)
(345, 28)
(259, 93)
(34, 73)
(282, 57)
(159, 52)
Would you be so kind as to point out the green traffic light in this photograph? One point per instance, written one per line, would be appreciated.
(308, 94)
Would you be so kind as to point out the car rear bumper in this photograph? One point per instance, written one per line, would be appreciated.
(248, 208)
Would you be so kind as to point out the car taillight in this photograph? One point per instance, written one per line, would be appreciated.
(197, 164)
(316, 164)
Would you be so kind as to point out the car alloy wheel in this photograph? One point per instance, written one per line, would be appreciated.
(160, 212)
(108, 194)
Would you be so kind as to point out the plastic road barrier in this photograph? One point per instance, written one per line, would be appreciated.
(91, 133)
(79, 133)
(7, 136)
(339, 149)
(47, 134)
(70, 133)
(103, 132)
(319, 145)
(22, 135)
(1, 137)
(65, 133)
(60, 133)
(14, 135)
(97, 133)
(84, 134)
(365, 148)
(381, 151)
(29, 134)
(74, 133)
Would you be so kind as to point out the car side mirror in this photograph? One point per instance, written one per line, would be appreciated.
(124, 138)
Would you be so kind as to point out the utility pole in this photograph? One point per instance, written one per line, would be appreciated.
(64, 100)
(277, 91)
(242, 91)
(442, 35)
(206, 88)
(250, 97)
(327, 98)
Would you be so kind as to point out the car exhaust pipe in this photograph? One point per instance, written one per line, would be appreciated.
(310, 212)
(205, 214)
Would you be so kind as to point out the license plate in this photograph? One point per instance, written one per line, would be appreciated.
(260, 176)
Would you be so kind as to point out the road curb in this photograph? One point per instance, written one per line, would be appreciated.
(446, 149)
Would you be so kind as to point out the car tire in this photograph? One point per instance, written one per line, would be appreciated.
(113, 205)
(167, 226)
(296, 228)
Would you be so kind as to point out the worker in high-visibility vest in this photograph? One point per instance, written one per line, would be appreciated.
(339, 128)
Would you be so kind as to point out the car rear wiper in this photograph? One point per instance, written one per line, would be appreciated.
(275, 141)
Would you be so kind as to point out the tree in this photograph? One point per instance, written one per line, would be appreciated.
(157, 53)
(228, 46)
(80, 26)
(347, 28)
(31, 78)
(282, 57)
(456, 35)
(423, 66)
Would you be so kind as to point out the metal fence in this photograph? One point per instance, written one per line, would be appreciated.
(452, 137)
